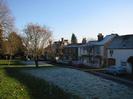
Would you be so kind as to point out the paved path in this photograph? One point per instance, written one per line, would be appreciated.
(83, 84)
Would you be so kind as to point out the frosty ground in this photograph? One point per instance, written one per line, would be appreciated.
(82, 84)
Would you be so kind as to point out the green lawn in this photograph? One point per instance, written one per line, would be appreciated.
(15, 85)
(11, 88)
(11, 62)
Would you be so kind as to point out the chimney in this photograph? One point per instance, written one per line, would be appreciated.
(84, 40)
(62, 39)
(100, 37)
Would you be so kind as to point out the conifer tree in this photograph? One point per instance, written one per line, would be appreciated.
(73, 39)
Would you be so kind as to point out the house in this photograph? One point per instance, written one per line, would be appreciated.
(86, 53)
(55, 49)
(72, 52)
(96, 51)
(100, 49)
(58, 47)
(120, 51)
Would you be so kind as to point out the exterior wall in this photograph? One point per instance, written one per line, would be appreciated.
(87, 55)
(83, 54)
(102, 50)
(92, 53)
(71, 53)
(82, 50)
(98, 55)
(120, 55)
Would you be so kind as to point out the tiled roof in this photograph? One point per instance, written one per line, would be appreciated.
(122, 42)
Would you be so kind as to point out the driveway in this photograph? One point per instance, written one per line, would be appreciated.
(82, 84)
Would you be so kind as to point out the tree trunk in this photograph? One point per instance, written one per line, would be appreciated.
(36, 61)
(10, 60)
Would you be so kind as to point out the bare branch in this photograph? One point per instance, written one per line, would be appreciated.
(36, 38)
(6, 19)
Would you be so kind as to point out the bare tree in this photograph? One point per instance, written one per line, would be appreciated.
(6, 23)
(1, 41)
(6, 19)
(36, 36)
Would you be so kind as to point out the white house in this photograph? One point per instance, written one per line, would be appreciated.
(86, 53)
(101, 49)
(94, 53)
(120, 50)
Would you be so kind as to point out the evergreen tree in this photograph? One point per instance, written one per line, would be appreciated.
(73, 39)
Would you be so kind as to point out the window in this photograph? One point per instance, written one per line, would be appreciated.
(111, 53)
(97, 50)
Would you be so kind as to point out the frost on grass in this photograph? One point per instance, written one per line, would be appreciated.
(85, 85)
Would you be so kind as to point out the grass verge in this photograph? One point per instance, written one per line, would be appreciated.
(11, 88)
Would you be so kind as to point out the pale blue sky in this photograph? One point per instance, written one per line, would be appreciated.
(85, 18)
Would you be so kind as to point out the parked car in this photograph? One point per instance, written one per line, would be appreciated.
(116, 70)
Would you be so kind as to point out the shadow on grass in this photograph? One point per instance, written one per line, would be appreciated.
(38, 88)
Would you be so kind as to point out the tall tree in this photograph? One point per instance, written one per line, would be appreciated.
(1, 39)
(6, 19)
(73, 39)
(37, 36)
(6, 22)
(13, 45)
